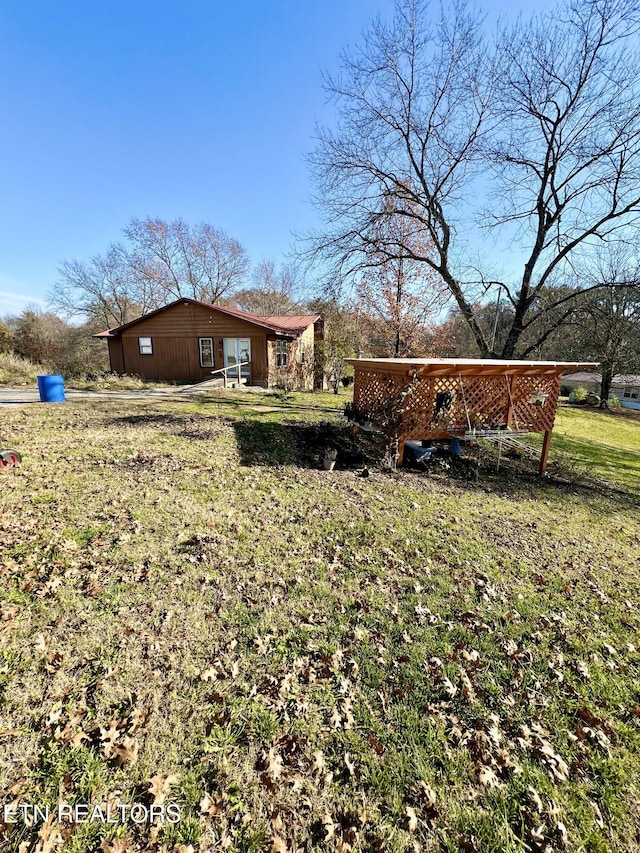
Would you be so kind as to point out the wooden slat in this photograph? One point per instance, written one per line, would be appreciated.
(441, 405)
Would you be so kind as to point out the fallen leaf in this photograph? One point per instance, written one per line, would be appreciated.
(350, 765)
(534, 796)
(537, 834)
(274, 765)
(329, 827)
(126, 752)
(160, 786)
(413, 819)
(487, 777)
(211, 806)
(318, 764)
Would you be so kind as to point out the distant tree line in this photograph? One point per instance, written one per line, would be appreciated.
(398, 307)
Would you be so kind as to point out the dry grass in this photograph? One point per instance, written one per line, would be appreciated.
(16, 371)
(192, 612)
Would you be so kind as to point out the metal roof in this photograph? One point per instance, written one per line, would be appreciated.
(296, 324)
(618, 379)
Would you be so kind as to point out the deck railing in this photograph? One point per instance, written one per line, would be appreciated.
(232, 367)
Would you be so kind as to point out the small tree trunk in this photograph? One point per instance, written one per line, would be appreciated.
(605, 386)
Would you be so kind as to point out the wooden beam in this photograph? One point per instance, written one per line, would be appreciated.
(542, 469)
(510, 401)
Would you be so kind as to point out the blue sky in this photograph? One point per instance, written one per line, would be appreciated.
(198, 109)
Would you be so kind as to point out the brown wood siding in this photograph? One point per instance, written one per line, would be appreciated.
(115, 355)
(176, 355)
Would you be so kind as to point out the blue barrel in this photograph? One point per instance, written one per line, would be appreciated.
(51, 388)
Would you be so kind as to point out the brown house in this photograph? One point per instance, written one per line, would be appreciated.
(189, 340)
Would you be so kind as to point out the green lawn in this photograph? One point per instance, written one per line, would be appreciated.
(193, 613)
(612, 448)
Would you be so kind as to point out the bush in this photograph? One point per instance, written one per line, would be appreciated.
(565, 390)
(6, 338)
(580, 395)
(614, 403)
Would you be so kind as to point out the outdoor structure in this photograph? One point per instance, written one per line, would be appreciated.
(194, 341)
(413, 399)
(624, 386)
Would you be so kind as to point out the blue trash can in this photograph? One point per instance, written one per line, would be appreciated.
(51, 388)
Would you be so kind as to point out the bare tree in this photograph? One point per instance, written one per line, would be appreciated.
(535, 138)
(200, 261)
(6, 338)
(610, 320)
(105, 288)
(604, 325)
(161, 262)
(398, 297)
(273, 292)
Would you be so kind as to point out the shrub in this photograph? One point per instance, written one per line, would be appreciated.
(614, 403)
(580, 394)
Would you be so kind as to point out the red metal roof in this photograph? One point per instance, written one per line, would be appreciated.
(296, 324)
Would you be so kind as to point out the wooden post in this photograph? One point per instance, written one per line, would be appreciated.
(545, 452)
(357, 382)
(510, 401)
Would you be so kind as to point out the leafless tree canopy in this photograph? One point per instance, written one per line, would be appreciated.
(201, 262)
(604, 324)
(534, 136)
(160, 262)
(274, 291)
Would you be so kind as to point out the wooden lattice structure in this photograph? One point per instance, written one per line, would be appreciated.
(422, 399)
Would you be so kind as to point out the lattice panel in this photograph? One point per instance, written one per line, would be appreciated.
(372, 389)
(442, 407)
(528, 415)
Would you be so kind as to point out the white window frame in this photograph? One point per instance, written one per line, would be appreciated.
(302, 352)
(213, 356)
(282, 353)
(145, 345)
(237, 345)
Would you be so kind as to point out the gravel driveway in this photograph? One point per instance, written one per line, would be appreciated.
(18, 396)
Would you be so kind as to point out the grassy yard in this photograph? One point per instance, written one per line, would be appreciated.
(195, 618)
(611, 452)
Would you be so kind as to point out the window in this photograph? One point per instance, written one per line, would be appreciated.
(302, 352)
(282, 353)
(630, 393)
(206, 352)
(146, 346)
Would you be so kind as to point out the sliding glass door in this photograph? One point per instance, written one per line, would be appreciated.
(237, 351)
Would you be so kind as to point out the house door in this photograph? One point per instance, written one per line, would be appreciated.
(236, 351)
